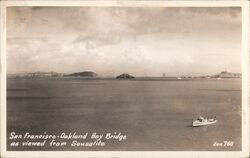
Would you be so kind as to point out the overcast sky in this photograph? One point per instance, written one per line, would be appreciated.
(110, 41)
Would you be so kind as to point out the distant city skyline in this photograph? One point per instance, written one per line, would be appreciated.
(110, 41)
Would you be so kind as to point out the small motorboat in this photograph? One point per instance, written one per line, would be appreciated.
(201, 121)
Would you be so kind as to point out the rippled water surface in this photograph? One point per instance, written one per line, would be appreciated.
(155, 115)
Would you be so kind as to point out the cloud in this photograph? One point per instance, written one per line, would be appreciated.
(111, 40)
(97, 40)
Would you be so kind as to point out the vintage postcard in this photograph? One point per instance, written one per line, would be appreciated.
(124, 79)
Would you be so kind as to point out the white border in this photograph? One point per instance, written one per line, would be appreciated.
(3, 76)
(245, 80)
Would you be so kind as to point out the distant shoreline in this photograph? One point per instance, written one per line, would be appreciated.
(135, 79)
(124, 76)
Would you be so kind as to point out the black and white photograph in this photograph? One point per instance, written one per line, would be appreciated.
(124, 78)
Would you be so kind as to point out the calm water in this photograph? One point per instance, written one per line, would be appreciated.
(155, 115)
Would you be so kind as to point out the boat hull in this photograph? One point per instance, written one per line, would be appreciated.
(197, 124)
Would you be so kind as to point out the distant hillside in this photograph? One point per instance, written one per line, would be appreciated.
(83, 74)
(225, 74)
(125, 76)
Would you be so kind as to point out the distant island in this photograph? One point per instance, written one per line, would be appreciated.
(125, 76)
(83, 74)
(91, 74)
